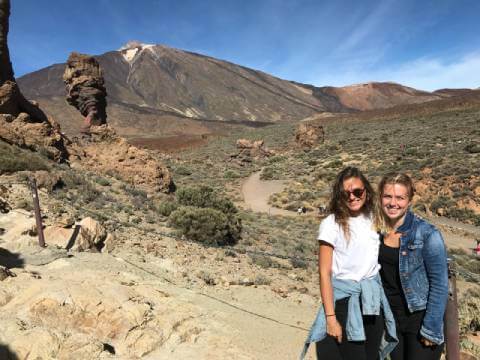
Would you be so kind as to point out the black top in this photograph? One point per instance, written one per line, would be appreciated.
(390, 274)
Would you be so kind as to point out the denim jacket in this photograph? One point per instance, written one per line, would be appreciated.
(366, 297)
(423, 273)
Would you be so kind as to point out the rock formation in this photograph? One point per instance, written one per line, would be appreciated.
(309, 135)
(11, 99)
(108, 153)
(37, 136)
(248, 150)
(22, 122)
(104, 150)
(86, 89)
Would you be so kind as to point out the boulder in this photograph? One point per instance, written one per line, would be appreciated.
(309, 135)
(87, 235)
(92, 231)
(248, 150)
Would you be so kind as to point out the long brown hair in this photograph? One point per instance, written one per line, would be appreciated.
(381, 221)
(338, 204)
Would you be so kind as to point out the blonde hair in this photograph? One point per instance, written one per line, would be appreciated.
(381, 221)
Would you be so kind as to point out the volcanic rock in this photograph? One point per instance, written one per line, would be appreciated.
(107, 153)
(22, 122)
(309, 135)
(37, 136)
(86, 88)
(248, 150)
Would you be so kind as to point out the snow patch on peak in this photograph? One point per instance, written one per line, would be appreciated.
(134, 44)
(132, 48)
(129, 54)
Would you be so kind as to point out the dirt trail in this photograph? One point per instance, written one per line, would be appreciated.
(256, 193)
(456, 234)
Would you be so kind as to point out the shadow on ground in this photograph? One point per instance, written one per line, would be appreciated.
(10, 260)
(6, 353)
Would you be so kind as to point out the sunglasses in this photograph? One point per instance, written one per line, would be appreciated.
(358, 193)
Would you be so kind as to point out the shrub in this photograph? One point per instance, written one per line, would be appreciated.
(230, 174)
(441, 202)
(261, 279)
(469, 312)
(299, 263)
(102, 181)
(205, 197)
(206, 225)
(264, 261)
(167, 207)
(472, 148)
(13, 159)
(183, 170)
(270, 173)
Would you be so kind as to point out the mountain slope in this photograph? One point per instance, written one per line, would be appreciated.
(156, 82)
(156, 90)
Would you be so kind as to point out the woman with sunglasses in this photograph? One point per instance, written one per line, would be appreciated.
(355, 311)
(414, 271)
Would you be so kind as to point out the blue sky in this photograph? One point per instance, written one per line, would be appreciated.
(427, 44)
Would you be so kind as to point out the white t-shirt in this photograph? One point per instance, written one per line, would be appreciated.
(357, 258)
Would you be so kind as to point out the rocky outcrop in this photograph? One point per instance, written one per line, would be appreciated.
(22, 122)
(107, 153)
(249, 150)
(309, 135)
(11, 99)
(6, 70)
(43, 136)
(86, 88)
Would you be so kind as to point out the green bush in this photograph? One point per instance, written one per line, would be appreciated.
(264, 261)
(13, 159)
(183, 170)
(441, 202)
(230, 174)
(102, 181)
(270, 173)
(206, 225)
(167, 207)
(469, 312)
(205, 197)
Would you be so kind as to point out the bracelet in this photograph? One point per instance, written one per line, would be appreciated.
(330, 315)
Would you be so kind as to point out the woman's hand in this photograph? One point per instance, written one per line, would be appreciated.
(426, 342)
(334, 328)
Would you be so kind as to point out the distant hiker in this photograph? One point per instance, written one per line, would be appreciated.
(354, 312)
(477, 249)
(299, 211)
(304, 210)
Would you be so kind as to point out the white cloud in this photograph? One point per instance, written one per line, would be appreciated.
(367, 28)
(424, 73)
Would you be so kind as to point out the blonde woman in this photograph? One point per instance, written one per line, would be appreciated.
(413, 270)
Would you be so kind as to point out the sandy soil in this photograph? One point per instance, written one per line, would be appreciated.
(256, 193)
